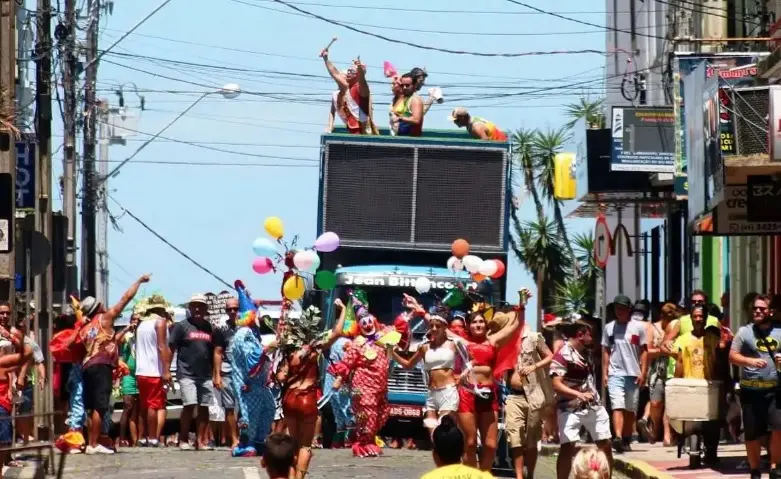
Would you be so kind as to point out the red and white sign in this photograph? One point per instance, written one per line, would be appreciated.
(601, 242)
(406, 411)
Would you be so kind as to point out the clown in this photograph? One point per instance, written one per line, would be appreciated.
(251, 376)
(366, 363)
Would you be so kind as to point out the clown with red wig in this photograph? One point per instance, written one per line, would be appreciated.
(366, 364)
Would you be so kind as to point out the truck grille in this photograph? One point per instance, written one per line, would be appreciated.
(406, 381)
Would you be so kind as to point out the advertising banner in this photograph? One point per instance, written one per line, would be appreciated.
(734, 70)
(643, 139)
(732, 216)
(694, 139)
(713, 161)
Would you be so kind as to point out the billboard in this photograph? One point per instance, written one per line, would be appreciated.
(643, 139)
(694, 140)
(714, 163)
(25, 174)
(734, 70)
(732, 216)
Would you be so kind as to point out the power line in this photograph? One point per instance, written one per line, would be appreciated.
(434, 32)
(575, 20)
(216, 163)
(169, 244)
(426, 47)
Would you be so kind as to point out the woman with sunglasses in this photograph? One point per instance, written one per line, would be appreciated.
(478, 408)
(439, 362)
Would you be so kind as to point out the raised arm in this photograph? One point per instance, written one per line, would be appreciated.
(411, 362)
(503, 335)
(363, 84)
(338, 330)
(340, 79)
(113, 312)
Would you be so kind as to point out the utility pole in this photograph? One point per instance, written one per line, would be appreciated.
(66, 37)
(42, 324)
(89, 183)
(102, 218)
(8, 136)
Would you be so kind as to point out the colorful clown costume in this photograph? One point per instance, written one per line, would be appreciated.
(255, 400)
(366, 364)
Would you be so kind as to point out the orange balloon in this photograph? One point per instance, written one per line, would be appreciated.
(460, 248)
(478, 277)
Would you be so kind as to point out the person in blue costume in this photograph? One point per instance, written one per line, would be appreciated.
(251, 376)
(340, 401)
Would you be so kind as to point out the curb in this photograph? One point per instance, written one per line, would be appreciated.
(632, 468)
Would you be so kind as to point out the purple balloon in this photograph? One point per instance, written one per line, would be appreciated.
(327, 242)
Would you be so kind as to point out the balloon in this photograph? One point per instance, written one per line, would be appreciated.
(315, 261)
(422, 285)
(303, 260)
(327, 242)
(264, 247)
(274, 227)
(262, 265)
(460, 248)
(472, 263)
(488, 268)
(500, 269)
(478, 277)
(454, 298)
(294, 288)
(455, 264)
(325, 280)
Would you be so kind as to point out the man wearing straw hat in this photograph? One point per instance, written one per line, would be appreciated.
(153, 364)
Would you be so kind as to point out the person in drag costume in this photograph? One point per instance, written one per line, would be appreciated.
(252, 373)
(365, 366)
(302, 343)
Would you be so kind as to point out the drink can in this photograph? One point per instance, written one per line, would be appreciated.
(524, 295)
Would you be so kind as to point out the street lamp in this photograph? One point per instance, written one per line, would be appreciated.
(229, 91)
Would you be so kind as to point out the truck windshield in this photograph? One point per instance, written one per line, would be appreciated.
(386, 304)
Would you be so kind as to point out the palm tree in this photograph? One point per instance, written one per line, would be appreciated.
(523, 161)
(537, 247)
(591, 110)
(545, 146)
(573, 296)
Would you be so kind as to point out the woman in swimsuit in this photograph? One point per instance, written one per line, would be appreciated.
(299, 374)
(439, 360)
(478, 408)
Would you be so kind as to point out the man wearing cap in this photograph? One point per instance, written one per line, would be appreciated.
(191, 340)
(153, 367)
(624, 368)
(479, 128)
(102, 357)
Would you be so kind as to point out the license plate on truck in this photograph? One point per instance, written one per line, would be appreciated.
(406, 411)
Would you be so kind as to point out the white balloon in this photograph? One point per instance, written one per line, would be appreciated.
(422, 285)
(455, 264)
(488, 268)
(303, 260)
(472, 263)
(315, 261)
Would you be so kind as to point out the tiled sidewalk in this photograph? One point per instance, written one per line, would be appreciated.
(658, 462)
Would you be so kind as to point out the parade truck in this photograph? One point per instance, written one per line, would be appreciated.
(397, 204)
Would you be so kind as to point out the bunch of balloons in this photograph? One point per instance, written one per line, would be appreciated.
(479, 268)
(297, 261)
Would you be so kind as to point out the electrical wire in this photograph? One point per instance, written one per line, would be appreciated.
(582, 22)
(426, 47)
(169, 244)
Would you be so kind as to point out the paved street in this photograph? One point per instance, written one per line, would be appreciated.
(175, 464)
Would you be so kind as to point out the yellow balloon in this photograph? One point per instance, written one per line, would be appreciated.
(294, 288)
(274, 227)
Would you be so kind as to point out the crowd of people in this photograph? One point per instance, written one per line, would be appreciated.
(247, 377)
(352, 103)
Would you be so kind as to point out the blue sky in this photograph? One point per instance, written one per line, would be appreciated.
(214, 213)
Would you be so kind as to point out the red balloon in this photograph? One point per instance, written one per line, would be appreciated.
(460, 248)
(500, 269)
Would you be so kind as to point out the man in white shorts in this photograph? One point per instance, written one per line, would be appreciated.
(579, 405)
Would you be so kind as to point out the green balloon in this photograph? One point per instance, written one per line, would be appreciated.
(325, 280)
(454, 298)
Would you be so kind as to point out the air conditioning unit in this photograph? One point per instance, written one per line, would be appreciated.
(749, 107)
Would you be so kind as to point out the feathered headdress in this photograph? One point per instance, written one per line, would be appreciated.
(247, 311)
(483, 309)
